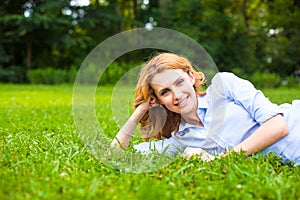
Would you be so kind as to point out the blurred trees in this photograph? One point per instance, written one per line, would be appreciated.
(241, 36)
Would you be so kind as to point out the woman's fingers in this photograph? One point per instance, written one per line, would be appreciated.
(203, 155)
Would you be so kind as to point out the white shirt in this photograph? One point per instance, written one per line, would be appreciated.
(231, 111)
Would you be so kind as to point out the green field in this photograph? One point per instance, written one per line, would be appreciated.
(42, 157)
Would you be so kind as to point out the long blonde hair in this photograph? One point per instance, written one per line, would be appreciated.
(162, 128)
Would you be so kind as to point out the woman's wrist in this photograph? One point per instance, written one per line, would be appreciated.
(123, 139)
(138, 114)
(128, 128)
(125, 133)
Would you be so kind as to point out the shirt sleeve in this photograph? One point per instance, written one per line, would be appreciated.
(243, 93)
(169, 146)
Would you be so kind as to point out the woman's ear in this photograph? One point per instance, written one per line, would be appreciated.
(153, 99)
(192, 76)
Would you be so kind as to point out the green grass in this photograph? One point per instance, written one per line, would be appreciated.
(42, 157)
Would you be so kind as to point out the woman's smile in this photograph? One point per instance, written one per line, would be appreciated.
(181, 103)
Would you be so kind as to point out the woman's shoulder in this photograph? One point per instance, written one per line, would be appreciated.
(228, 79)
(223, 75)
(221, 79)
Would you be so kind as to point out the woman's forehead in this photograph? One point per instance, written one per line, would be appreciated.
(167, 77)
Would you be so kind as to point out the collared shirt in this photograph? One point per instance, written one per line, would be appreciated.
(231, 111)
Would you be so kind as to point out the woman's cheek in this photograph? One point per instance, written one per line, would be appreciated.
(164, 100)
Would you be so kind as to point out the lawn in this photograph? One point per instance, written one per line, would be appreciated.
(42, 157)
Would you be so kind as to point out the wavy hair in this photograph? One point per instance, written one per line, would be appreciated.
(159, 119)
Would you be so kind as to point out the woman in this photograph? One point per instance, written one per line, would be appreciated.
(231, 115)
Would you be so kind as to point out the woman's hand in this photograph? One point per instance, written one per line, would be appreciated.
(120, 141)
(191, 151)
(147, 105)
(124, 135)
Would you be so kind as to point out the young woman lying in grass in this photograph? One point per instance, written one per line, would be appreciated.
(231, 115)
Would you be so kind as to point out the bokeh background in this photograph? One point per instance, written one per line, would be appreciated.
(45, 41)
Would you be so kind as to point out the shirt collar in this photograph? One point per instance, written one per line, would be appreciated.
(202, 104)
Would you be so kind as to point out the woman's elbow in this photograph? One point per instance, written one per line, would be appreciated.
(283, 127)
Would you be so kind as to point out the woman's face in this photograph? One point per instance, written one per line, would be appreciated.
(174, 89)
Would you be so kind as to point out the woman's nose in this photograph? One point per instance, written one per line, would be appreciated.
(177, 94)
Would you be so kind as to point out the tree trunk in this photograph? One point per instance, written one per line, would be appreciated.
(245, 15)
(163, 8)
(28, 52)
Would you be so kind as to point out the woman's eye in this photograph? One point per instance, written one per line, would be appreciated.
(180, 81)
(164, 92)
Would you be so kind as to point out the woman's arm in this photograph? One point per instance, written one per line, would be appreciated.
(268, 133)
(243, 93)
(272, 125)
(124, 135)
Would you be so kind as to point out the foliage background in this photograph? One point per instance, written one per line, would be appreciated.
(245, 37)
